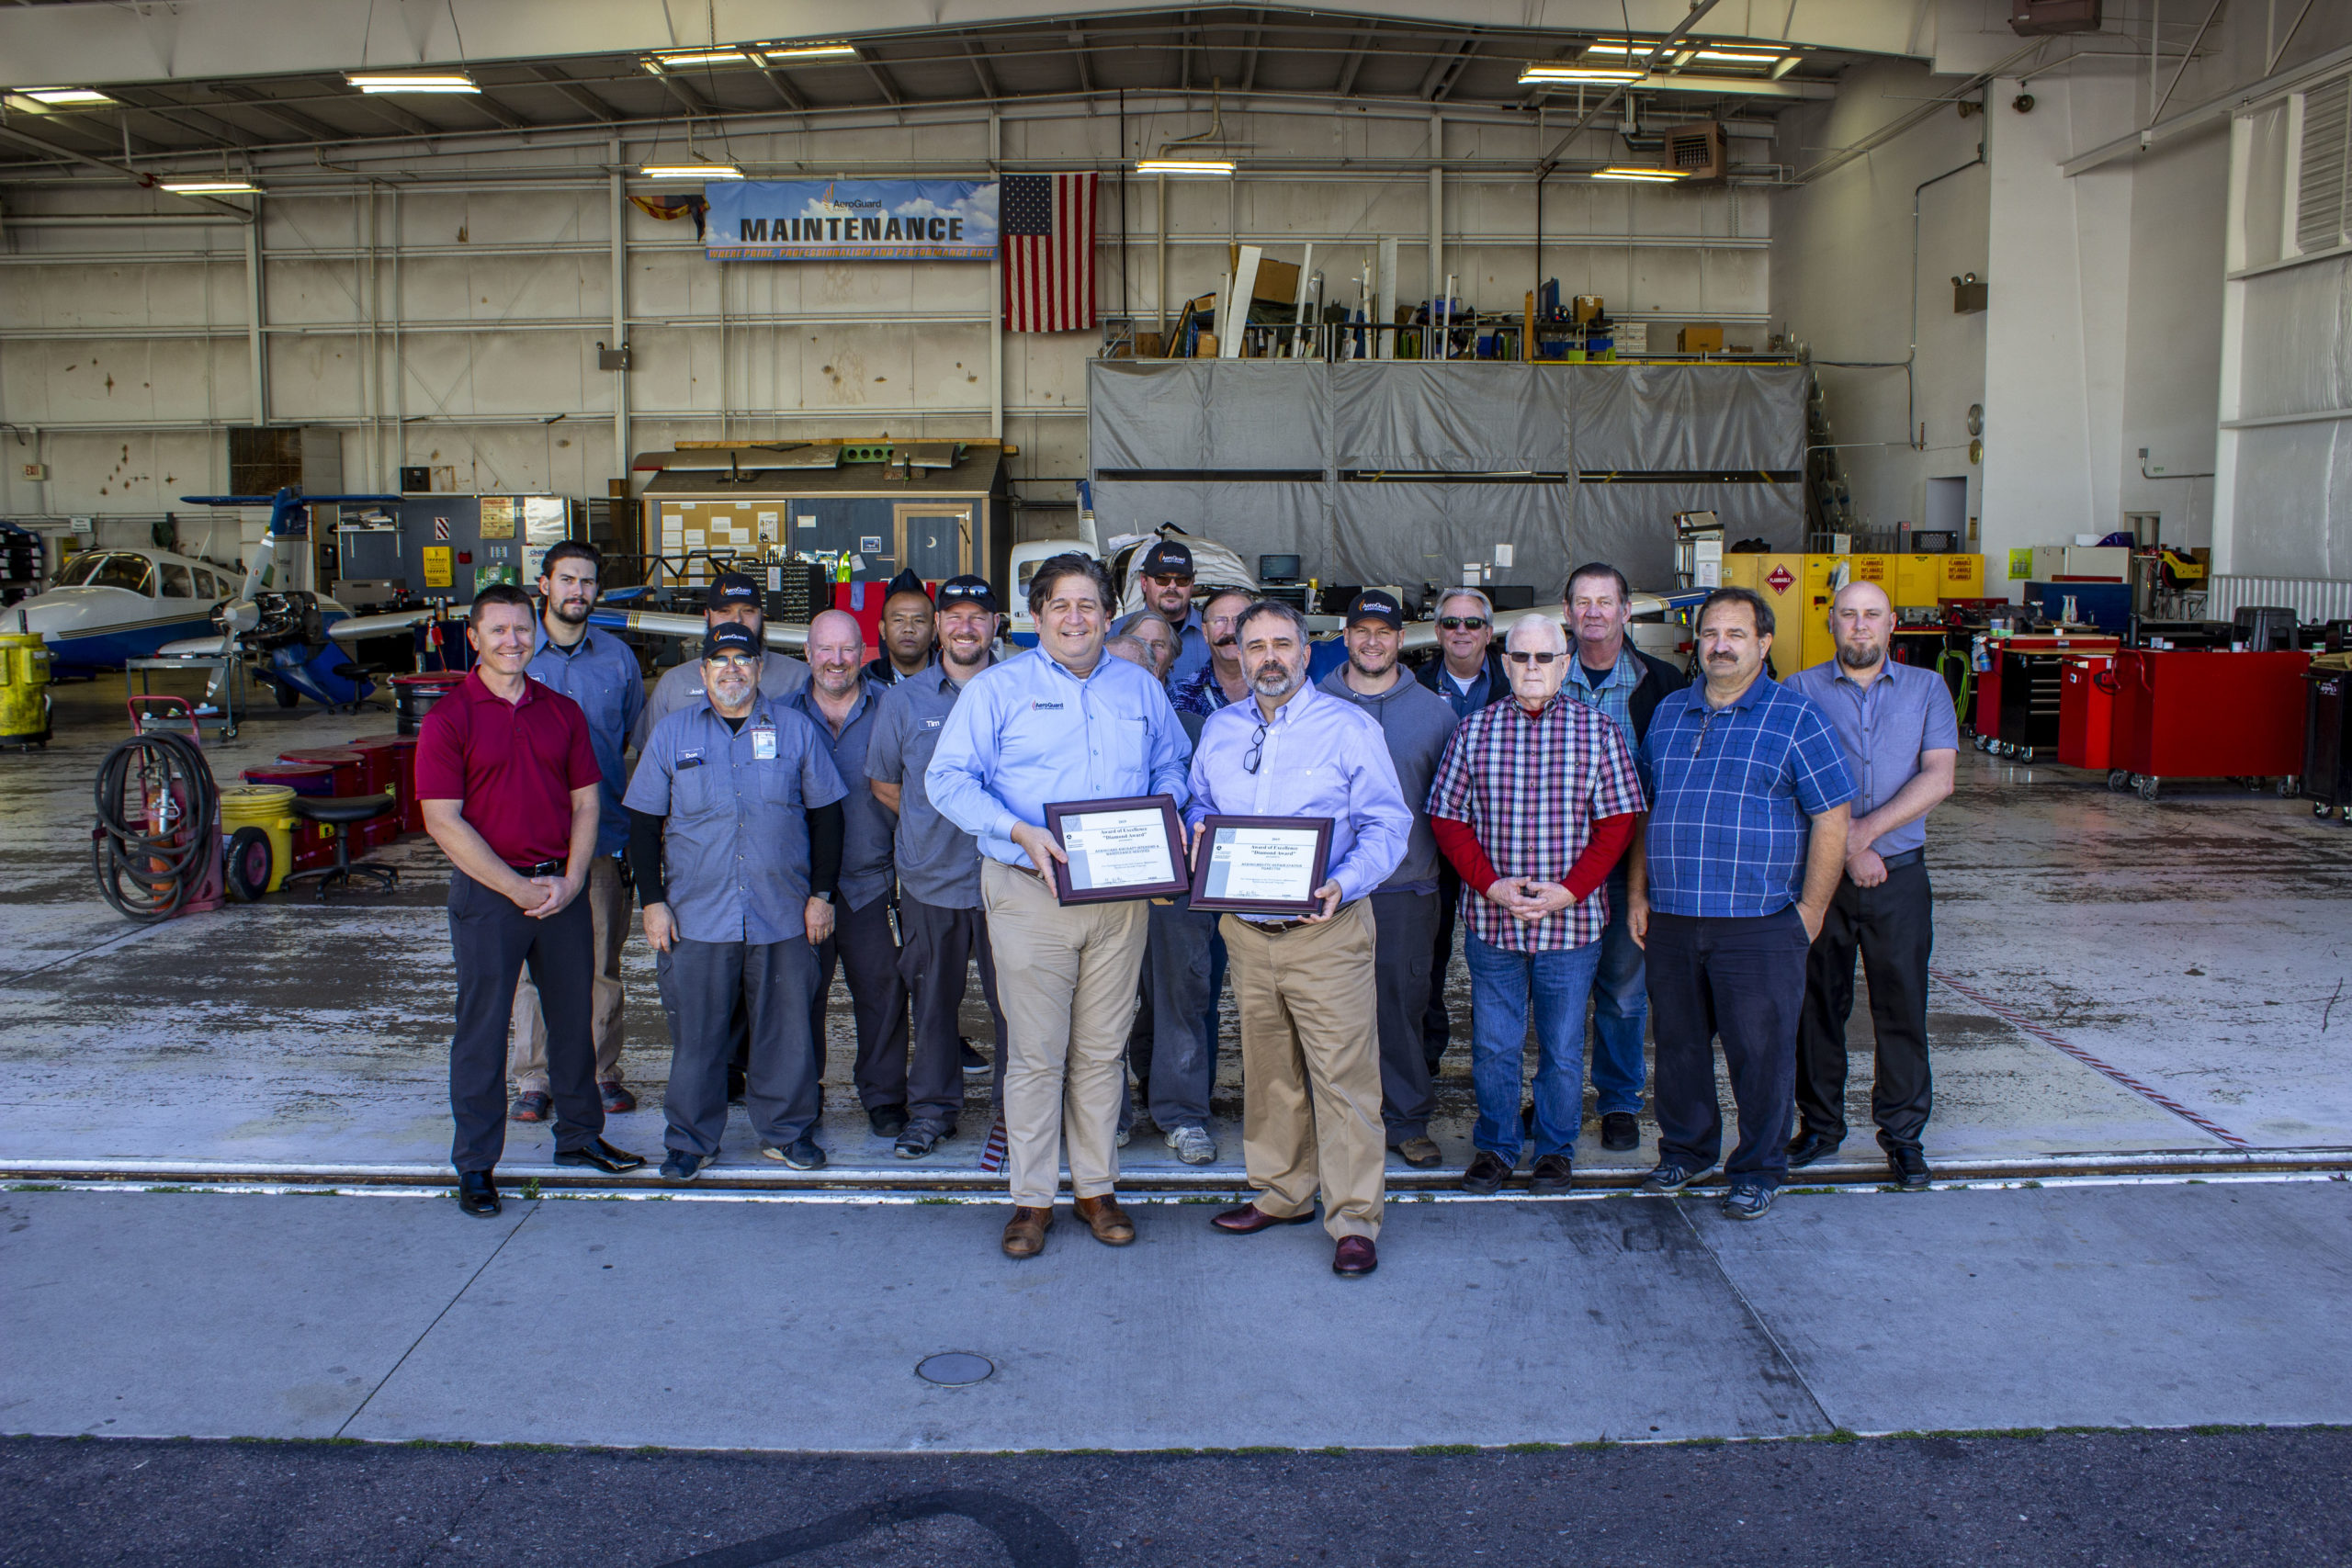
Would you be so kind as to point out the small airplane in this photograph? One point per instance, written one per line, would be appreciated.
(109, 605)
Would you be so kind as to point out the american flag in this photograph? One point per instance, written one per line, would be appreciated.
(1049, 235)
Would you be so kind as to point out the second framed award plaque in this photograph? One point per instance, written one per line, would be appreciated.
(1261, 865)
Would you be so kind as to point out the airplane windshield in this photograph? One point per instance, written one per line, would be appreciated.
(77, 570)
(104, 569)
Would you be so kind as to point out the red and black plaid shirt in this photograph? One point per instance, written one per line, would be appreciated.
(1532, 785)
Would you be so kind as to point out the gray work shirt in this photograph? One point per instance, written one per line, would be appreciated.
(1415, 723)
(600, 673)
(866, 827)
(735, 849)
(681, 687)
(939, 863)
(1882, 729)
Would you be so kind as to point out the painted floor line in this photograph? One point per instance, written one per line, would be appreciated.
(2048, 1037)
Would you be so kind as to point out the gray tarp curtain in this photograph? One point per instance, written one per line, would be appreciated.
(1158, 429)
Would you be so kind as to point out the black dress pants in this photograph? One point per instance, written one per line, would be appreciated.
(1437, 1024)
(492, 939)
(1743, 979)
(1171, 1044)
(1894, 926)
(1402, 965)
(936, 949)
(865, 949)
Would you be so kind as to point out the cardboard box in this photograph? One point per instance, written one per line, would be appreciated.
(1586, 307)
(1277, 281)
(1631, 337)
(1699, 339)
(1205, 346)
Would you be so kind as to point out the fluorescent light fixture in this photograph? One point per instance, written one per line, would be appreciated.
(411, 81)
(1535, 74)
(1643, 174)
(1213, 166)
(1738, 57)
(66, 97)
(223, 184)
(678, 60)
(1686, 51)
(1786, 64)
(697, 171)
(795, 52)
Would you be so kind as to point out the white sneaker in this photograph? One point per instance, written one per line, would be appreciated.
(1192, 1144)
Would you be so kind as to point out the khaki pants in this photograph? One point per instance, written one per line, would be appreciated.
(1310, 1068)
(1066, 979)
(526, 1052)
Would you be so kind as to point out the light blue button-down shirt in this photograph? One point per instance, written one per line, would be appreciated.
(599, 672)
(1320, 757)
(1027, 731)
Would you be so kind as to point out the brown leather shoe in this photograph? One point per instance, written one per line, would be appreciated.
(1106, 1219)
(1250, 1219)
(1024, 1233)
(1355, 1255)
(1421, 1153)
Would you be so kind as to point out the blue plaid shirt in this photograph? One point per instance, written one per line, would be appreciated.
(1731, 790)
(1614, 698)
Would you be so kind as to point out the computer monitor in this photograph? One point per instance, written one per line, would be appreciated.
(1277, 568)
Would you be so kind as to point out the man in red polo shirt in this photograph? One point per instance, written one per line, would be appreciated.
(509, 785)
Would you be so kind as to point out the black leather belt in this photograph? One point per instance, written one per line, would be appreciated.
(1908, 857)
(545, 868)
(1276, 928)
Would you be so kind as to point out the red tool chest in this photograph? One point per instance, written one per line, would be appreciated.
(2183, 714)
(2086, 713)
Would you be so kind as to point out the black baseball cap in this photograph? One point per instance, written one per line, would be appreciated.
(733, 637)
(967, 590)
(907, 581)
(1377, 604)
(731, 588)
(1168, 559)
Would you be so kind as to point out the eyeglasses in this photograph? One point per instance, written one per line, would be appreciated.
(1462, 622)
(1166, 582)
(1520, 656)
(734, 662)
(1251, 757)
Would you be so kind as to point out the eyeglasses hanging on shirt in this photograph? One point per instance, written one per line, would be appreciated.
(1251, 757)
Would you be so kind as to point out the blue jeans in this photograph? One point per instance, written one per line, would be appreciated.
(1499, 983)
(1621, 1012)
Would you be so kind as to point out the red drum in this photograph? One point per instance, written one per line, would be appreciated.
(350, 767)
(414, 696)
(396, 758)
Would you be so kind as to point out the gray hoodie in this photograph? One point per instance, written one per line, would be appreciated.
(1417, 723)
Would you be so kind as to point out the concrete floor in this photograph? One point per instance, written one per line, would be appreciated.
(2115, 976)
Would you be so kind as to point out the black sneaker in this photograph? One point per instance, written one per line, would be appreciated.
(1910, 1168)
(970, 1056)
(920, 1139)
(1747, 1200)
(682, 1168)
(1551, 1174)
(888, 1122)
(1620, 1132)
(803, 1154)
(1486, 1173)
(1671, 1178)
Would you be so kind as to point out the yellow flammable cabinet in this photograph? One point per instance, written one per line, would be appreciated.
(1797, 587)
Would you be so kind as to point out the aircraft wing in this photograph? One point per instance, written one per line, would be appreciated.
(193, 648)
(788, 637)
(351, 629)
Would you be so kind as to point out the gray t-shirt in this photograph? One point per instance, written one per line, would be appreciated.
(1882, 729)
(1417, 723)
(939, 863)
(681, 687)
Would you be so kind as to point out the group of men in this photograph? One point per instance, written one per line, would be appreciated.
(1703, 859)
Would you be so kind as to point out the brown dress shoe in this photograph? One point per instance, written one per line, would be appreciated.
(1024, 1233)
(1106, 1219)
(1421, 1153)
(1355, 1255)
(1250, 1219)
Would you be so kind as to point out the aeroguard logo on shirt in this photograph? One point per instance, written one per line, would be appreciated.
(1049, 707)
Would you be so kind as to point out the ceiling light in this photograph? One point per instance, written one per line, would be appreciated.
(219, 184)
(793, 54)
(1213, 166)
(1738, 57)
(677, 60)
(1786, 64)
(1572, 74)
(66, 97)
(1645, 174)
(703, 169)
(411, 81)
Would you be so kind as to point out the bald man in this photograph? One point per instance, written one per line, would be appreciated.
(1901, 736)
(839, 700)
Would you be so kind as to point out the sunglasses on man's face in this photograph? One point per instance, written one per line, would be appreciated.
(1520, 656)
(1462, 622)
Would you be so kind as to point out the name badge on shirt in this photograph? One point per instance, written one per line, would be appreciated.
(687, 759)
(763, 743)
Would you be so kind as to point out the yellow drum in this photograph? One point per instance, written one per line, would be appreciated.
(24, 690)
(269, 807)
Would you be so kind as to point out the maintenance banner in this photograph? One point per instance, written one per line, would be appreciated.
(874, 219)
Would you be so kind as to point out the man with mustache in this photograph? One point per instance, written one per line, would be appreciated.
(942, 927)
(1219, 681)
(1901, 738)
(1745, 843)
(599, 671)
(1310, 1004)
(735, 837)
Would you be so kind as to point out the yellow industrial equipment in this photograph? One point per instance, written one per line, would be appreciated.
(1799, 589)
(24, 690)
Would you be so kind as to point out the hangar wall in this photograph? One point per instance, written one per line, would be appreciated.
(445, 310)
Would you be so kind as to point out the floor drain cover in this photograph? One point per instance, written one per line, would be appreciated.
(955, 1368)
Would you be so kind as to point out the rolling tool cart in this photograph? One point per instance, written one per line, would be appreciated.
(2201, 715)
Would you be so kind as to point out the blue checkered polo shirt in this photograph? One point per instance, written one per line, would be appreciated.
(1731, 791)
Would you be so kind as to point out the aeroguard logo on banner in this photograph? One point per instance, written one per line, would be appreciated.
(875, 220)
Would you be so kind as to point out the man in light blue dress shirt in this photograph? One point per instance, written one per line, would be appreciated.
(1061, 723)
(1304, 984)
